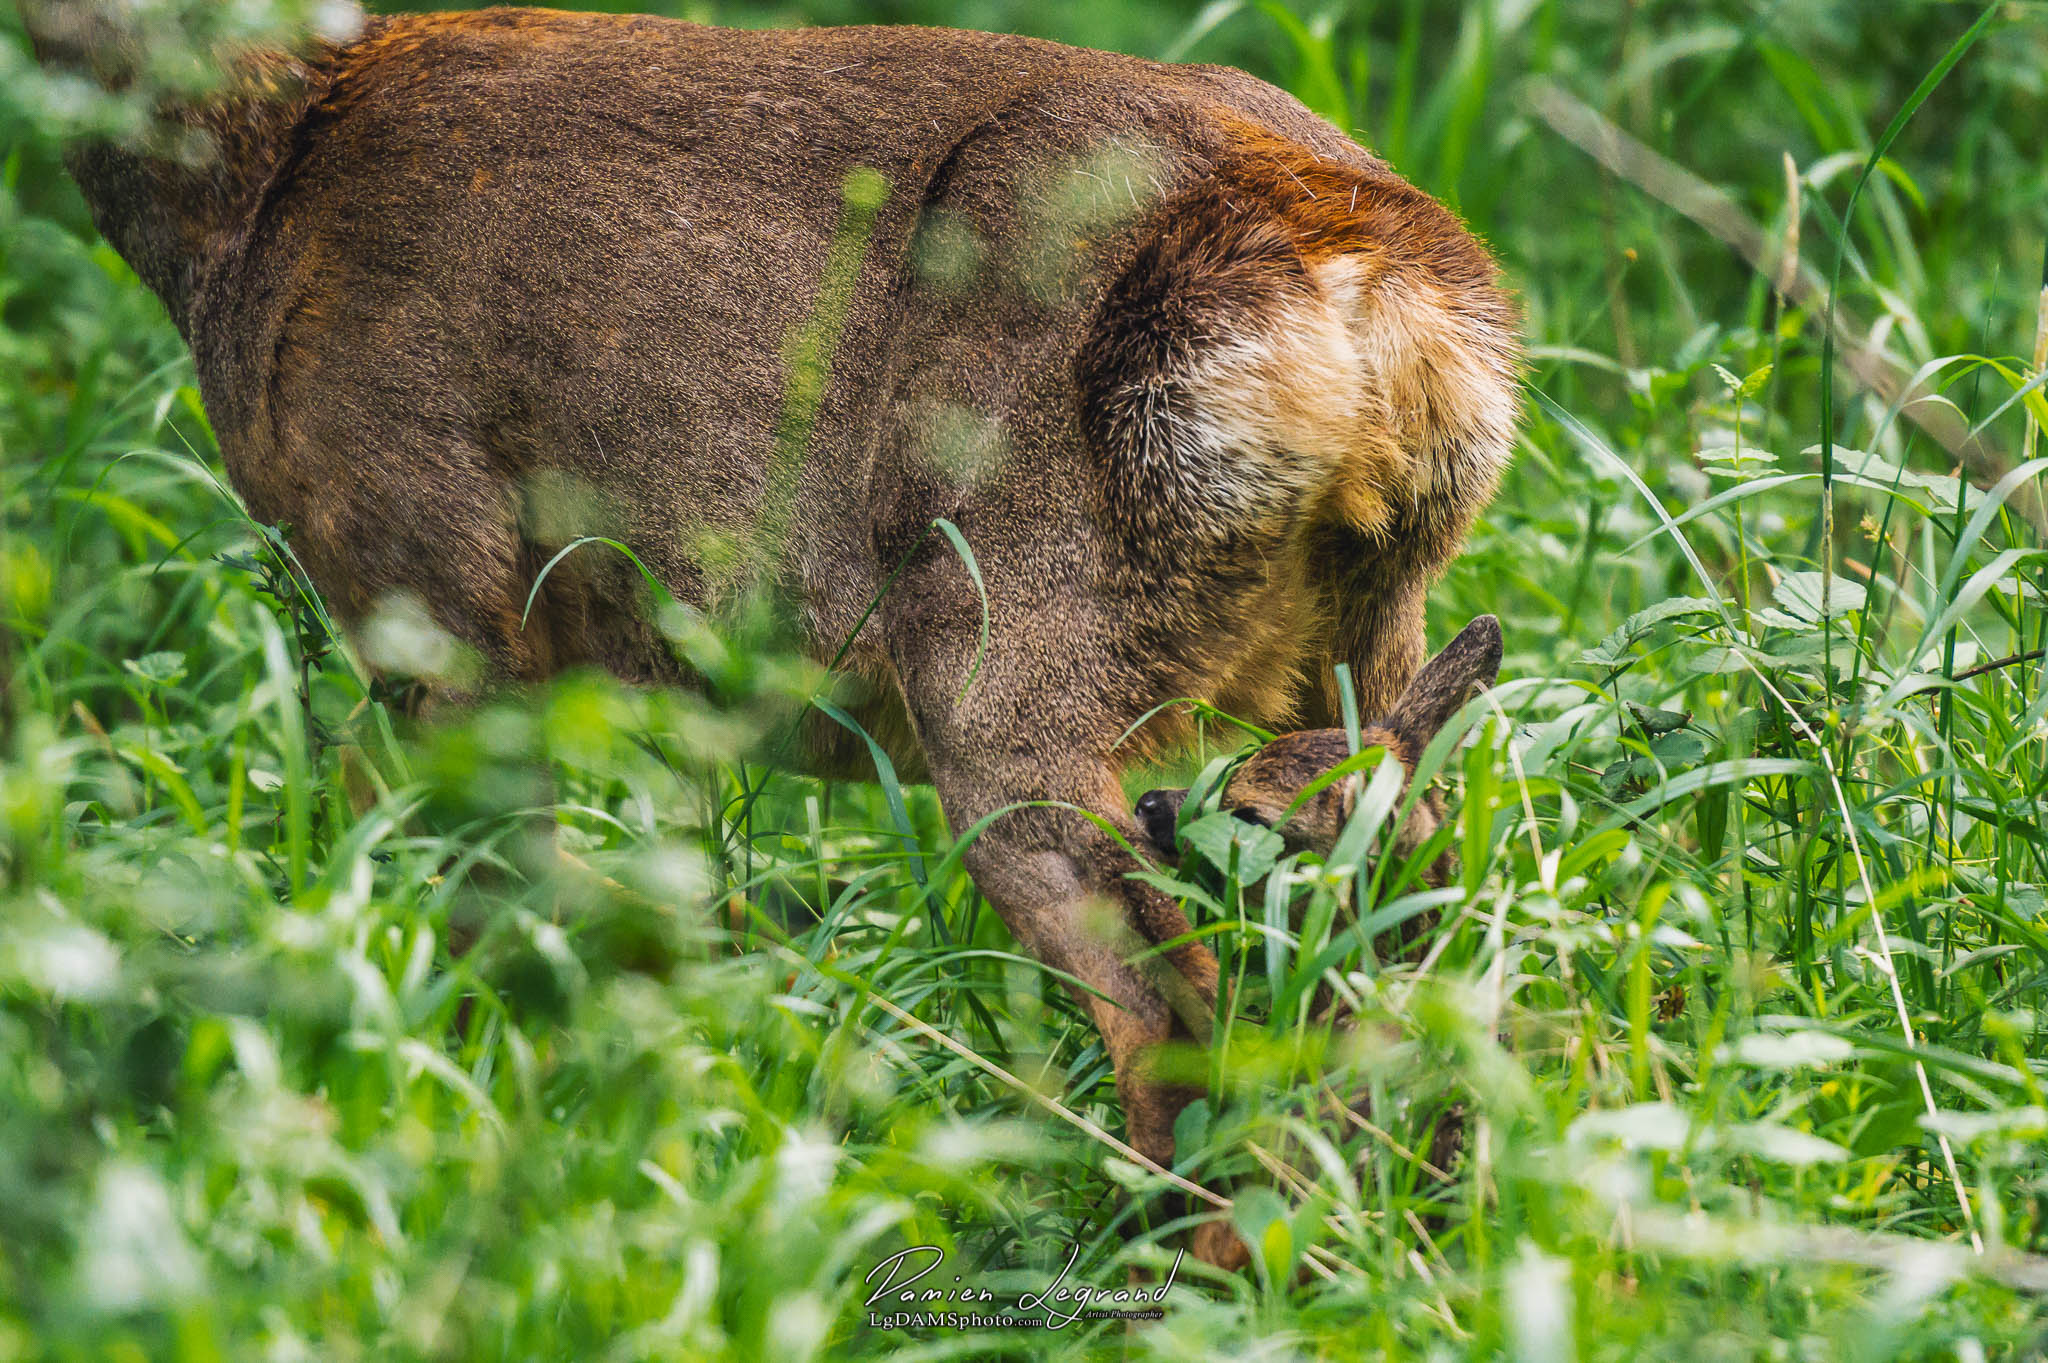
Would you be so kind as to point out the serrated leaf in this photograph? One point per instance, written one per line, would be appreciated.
(1629, 769)
(1675, 750)
(1614, 649)
(158, 669)
(1772, 618)
(1800, 650)
(1800, 594)
(1232, 845)
(1716, 661)
(1783, 1144)
(1937, 492)
(1967, 1128)
(1640, 1126)
(1668, 754)
(1257, 1214)
(1656, 722)
(1729, 461)
(1791, 1050)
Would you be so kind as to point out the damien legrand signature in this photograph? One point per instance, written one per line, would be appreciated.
(903, 1295)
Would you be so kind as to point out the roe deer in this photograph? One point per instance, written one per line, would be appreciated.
(1211, 393)
(1266, 788)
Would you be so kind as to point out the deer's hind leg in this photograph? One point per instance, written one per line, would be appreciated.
(382, 511)
(413, 540)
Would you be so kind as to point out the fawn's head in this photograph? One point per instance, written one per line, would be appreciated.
(1266, 786)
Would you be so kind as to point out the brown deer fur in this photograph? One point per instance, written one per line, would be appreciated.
(1230, 392)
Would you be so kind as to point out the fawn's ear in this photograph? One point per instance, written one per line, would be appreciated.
(1467, 664)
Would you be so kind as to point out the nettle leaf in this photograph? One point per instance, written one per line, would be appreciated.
(1967, 1128)
(1668, 755)
(158, 669)
(1791, 1050)
(1937, 493)
(1640, 1126)
(1628, 771)
(1614, 649)
(1778, 1144)
(1801, 650)
(1655, 722)
(1677, 750)
(1231, 844)
(1671, 608)
(1729, 462)
(1743, 387)
(1800, 594)
(1771, 618)
(1726, 658)
(2030, 900)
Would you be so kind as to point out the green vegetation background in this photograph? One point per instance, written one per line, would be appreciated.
(1735, 1012)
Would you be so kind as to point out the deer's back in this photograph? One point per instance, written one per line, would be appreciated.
(588, 245)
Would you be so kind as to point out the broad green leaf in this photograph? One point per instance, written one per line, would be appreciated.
(1801, 594)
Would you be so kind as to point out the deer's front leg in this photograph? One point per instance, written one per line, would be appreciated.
(1042, 894)
(1059, 882)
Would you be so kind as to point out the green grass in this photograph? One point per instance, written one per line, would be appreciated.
(309, 1049)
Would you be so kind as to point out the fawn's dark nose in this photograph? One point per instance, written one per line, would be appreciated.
(1157, 811)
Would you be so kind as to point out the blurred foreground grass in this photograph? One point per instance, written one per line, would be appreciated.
(1737, 1004)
